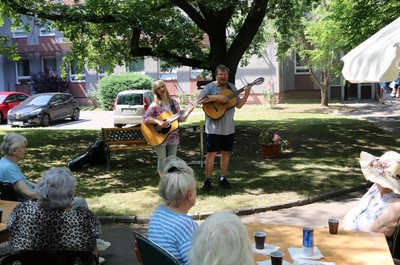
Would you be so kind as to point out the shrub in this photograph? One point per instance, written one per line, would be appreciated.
(109, 86)
(48, 81)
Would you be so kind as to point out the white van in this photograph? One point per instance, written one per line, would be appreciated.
(130, 105)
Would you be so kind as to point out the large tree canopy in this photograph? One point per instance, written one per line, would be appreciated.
(113, 32)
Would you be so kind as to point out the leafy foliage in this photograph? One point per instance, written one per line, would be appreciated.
(360, 19)
(48, 81)
(109, 86)
(106, 32)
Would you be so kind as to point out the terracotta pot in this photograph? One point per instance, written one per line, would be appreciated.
(272, 150)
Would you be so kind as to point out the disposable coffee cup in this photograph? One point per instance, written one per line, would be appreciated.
(1, 215)
(259, 239)
(333, 225)
(277, 257)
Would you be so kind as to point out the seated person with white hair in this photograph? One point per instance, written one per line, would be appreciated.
(14, 147)
(221, 239)
(169, 225)
(51, 223)
(379, 208)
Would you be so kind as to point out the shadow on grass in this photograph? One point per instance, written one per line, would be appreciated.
(323, 157)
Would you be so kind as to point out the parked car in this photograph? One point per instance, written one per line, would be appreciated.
(130, 105)
(9, 100)
(42, 109)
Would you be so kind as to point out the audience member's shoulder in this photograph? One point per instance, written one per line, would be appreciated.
(25, 205)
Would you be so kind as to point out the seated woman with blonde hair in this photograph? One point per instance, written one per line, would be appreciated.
(221, 240)
(379, 209)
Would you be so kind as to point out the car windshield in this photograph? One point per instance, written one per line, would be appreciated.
(38, 100)
(2, 97)
(130, 99)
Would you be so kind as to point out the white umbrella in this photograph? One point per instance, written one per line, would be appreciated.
(376, 59)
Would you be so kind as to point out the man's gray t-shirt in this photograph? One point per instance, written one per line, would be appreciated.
(225, 125)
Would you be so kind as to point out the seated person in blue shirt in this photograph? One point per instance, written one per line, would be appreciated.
(169, 225)
(14, 149)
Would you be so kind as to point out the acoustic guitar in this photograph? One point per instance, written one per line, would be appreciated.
(156, 135)
(215, 110)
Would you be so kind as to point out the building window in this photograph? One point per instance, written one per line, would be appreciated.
(167, 73)
(136, 66)
(49, 64)
(23, 71)
(300, 65)
(77, 74)
(20, 33)
(47, 30)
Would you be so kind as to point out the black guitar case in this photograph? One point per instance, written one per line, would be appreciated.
(94, 155)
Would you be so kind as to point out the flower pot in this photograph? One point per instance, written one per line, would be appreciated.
(272, 150)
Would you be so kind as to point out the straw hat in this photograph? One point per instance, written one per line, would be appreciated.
(384, 170)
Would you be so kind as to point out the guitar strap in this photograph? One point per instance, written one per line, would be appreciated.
(229, 87)
(172, 104)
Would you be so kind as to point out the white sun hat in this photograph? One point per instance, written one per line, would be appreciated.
(384, 170)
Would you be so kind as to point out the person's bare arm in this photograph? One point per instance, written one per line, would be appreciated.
(243, 100)
(22, 189)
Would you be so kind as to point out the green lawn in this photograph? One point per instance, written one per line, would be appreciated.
(323, 157)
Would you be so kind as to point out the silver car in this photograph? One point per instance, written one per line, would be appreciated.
(130, 105)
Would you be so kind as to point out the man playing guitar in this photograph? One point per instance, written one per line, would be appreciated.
(163, 103)
(220, 132)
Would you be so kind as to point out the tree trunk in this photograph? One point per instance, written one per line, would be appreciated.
(324, 96)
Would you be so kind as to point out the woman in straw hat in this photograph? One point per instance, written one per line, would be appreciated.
(379, 209)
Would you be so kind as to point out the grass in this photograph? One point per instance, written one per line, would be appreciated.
(323, 157)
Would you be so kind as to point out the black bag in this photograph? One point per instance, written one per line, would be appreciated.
(94, 155)
(78, 162)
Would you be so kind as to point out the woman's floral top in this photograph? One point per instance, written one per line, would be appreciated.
(156, 110)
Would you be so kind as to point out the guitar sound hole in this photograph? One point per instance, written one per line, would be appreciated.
(162, 130)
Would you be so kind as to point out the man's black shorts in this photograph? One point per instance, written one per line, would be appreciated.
(216, 142)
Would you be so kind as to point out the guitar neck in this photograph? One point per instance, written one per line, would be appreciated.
(178, 114)
(237, 92)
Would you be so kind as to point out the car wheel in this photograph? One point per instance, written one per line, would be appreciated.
(75, 115)
(45, 120)
(1, 117)
(117, 125)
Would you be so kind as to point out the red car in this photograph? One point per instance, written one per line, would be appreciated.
(8, 100)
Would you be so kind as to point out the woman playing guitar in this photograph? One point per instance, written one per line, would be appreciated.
(155, 121)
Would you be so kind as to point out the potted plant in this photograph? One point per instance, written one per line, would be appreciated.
(272, 144)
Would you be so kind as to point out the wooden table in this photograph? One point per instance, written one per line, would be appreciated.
(344, 248)
(7, 207)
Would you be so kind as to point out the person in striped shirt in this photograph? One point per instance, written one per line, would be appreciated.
(170, 226)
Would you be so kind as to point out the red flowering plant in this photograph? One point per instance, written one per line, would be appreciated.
(270, 137)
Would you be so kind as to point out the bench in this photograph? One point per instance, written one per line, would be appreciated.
(122, 139)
